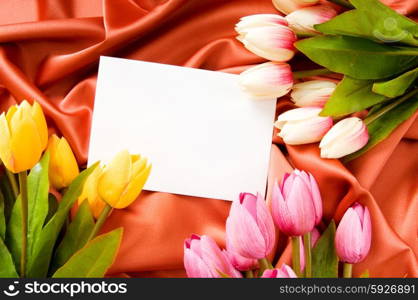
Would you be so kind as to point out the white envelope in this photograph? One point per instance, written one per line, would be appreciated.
(202, 134)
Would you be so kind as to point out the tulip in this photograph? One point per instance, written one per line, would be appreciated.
(345, 137)
(238, 261)
(63, 166)
(250, 227)
(288, 6)
(296, 203)
(302, 21)
(312, 93)
(267, 81)
(302, 125)
(23, 136)
(284, 272)
(90, 193)
(268, 36)
(204, 259)
(353, 235)
(123, 179)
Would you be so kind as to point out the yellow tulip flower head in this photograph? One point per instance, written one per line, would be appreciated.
(23, 136)
(63, 167)
(90, 194)
(123, 179)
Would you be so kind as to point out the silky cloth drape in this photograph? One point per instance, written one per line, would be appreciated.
(49, 51)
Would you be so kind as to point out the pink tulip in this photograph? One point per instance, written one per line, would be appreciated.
(250, 227)
(268, 36)
(312, 92)
(354, 234)
(267, 81)
(238, 261)
(288, 6)
(345, 137)
(302, 125)
(284, 272)
(314, 239)
(303, 20)
(296, 203)
(204, 259)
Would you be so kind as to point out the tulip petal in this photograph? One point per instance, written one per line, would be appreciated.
(367, 233)
(91, 194)
(348, 239)
(39, 118)
(265, 224)
(68, 163)
(195, 266)
(5, 144)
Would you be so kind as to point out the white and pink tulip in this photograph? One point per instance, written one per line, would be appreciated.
(312, 92)
(302, 21)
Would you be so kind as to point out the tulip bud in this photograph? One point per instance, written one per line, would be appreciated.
(238, 261)
(354, 234)
(296, 203)
(284, 272)
(204, 259)
(288, 6)
(268, 36)
(345, 137)
(123, 179)
(63, 167)
(302, 125)
(250, 227)
(90, 193)
(303, 20)
(312, 93)
(23, 136)
(267, 81)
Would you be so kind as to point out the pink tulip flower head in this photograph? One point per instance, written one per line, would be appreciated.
(238, 261)
(354, 234)
(250, 227)
(204, 259)
(303, 20)
(296, 203)
(284, 272)
(312, 92)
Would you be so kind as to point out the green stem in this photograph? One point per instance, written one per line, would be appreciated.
(308, 256)
(99, 223)
(13, 183)
(309, 73)
(342, 3)
(264, 265)
(23, 183)
(348, 270)
(249, 274)
(296, 255)
(387, 108)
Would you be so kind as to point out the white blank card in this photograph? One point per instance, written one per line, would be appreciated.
(202, 134)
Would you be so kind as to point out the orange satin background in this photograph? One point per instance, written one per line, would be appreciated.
(49, 52)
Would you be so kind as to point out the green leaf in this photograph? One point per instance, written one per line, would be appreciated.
(2, 218)
(39, 259)
(52, 207)
(7, 267)
(14, 232)
(358, 58)
(324, 256)
(382, 127)
(94, 259)
(351, 95)
(76, 236)
(397, 86)
(38, 186)
(373, 20)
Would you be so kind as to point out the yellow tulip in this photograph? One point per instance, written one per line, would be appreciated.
(63, 166)
(123, 179)
(90, 194)
(23, 136)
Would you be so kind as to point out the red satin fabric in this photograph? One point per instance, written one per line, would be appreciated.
(49, 52)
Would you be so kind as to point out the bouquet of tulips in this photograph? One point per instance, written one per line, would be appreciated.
(296, 210)
(371, 46)
(38, 238)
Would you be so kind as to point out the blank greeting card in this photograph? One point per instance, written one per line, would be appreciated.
(202, 134)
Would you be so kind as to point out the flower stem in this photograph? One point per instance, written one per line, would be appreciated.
(342, 3)
(309, 73)
(13, 183)
(249, 274)
(264, 265)
(308, 256)
(99, 223)
(296, 255)
(348, 270)
(23, 183)
(389, 107)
